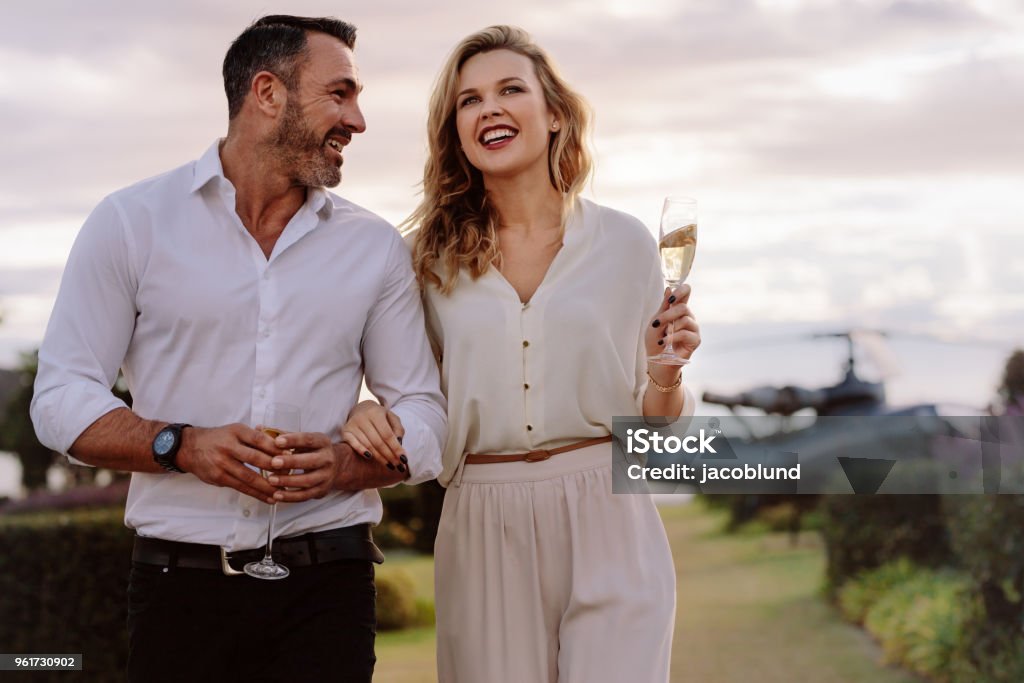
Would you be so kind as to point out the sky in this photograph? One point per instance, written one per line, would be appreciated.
(857, 162)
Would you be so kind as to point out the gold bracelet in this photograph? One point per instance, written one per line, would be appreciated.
(664, 389)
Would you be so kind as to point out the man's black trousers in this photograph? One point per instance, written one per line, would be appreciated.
(197, 625)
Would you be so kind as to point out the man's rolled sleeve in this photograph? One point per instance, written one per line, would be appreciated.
(400, 367)
(88, 333)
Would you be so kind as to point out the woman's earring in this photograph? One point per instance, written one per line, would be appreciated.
(554, 126)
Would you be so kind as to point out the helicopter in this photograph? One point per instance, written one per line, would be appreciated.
(850, 429)
(851, 396)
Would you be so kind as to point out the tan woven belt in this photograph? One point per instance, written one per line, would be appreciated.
(532, 456)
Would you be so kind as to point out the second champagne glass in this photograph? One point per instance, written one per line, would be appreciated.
(280, 418)
(677, 244)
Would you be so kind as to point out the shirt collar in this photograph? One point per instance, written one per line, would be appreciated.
(209, 167)
(320, 201)
(577, 215)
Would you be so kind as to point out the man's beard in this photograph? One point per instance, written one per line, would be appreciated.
(301, 153)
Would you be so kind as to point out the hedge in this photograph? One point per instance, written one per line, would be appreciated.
(63, 589)
(981, 538)
(864, 532)
(920, 622)
(396, 599)
(988, 536)
(63, 580)
(918, 616)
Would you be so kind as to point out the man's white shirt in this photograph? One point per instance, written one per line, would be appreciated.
(166, 283)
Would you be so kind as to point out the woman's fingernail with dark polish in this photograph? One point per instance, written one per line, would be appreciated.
(401, 468)
(390, 466)
(366, 454)
(399, 439)
(655, 323)
(672, 299)
(661, 342)
(404, 459)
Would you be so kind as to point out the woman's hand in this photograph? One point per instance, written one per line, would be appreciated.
(673, 321)
(376, 433)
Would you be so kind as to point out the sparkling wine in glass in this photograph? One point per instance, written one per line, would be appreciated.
(677, 243)
(280, 418)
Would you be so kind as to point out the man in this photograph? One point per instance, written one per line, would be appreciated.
(221, 287)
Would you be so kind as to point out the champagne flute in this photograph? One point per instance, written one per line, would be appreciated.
(280, 418)
(677, 244)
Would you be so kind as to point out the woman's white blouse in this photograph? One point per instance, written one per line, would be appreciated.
(543, 374)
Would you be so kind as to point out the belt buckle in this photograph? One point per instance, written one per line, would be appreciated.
(225, 564)
(537, 456)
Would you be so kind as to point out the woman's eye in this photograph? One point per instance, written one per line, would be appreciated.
(468, 100)
(511, 89)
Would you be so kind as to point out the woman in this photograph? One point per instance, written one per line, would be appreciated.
(539, 306)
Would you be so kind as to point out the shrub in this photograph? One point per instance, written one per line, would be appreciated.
(396, 599)
(864, 532)
(792, 514)
(987, 535)
(988, 654)
(63, 583)
(920, 621)
(425, 614)
(863, 592)
(63, 578)
(411, 516)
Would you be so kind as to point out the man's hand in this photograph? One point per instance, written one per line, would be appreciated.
(325, 466)
(218, 456)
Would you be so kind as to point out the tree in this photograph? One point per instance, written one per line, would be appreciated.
(18, 435)
(16, 432)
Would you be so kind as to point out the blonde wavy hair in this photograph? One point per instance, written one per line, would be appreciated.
(457, 224)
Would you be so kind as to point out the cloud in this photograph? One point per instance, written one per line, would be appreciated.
(960, 120)
(837, 146)
(17, 282)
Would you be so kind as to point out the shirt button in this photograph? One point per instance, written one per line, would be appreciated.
(529, 428)
(261, 393)
(266, 332)
(246, 512)
(526, 385)
(525, 343)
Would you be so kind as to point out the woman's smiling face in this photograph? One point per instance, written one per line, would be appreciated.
(503, 120)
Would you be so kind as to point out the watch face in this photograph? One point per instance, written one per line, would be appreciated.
(164, 442)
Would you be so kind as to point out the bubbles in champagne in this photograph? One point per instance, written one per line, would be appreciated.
(677, 251)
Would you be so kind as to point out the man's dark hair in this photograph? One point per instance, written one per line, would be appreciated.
(275, 43)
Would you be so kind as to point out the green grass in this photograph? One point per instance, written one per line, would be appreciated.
(408, 656)
(749, 609)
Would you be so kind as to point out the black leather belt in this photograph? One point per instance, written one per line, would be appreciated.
(346, 543)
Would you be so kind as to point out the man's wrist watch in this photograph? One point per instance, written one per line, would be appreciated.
(166, 445)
